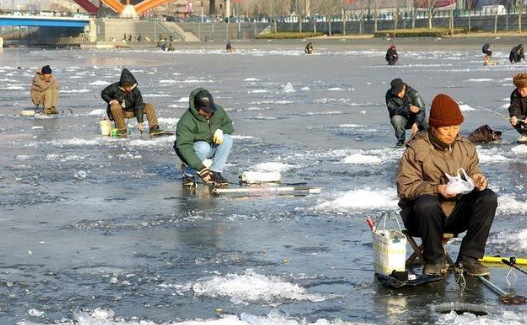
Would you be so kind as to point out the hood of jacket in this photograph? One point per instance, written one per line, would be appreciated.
(127, 78)
(192, 108)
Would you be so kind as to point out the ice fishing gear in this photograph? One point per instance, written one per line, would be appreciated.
(512, 263)
(497, 259)
(504, 297)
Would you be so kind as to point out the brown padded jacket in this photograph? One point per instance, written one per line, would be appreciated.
(40, 85)
(423, 166)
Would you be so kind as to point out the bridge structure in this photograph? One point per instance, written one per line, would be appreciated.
(128, 9)
(41, 21)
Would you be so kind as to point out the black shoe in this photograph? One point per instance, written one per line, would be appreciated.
(400, 143)
(155, 130)
(189, 181)
(218, 179)
(471, 266)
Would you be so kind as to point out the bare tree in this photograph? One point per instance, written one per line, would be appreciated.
(431, 7)
(330, 8)
(519, 5)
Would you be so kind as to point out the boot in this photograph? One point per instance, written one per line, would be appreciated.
(54, 111)
(471, 266)
(47, 111)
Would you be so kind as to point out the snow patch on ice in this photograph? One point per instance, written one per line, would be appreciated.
(491, 155)
(362, 200)
(466, 108)
(509, 204)
(84, 90)
(505, 318)
(272, 167)
(251, 286)
(242, 137)
(288, 88)
(251, 79)
(97, 112)
(480, 80)
(516, 239)
(99, 83)
(360, 159)
(73, 142)
(258, 91)
(168, 120)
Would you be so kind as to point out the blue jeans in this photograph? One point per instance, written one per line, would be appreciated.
(400, 124)
(218, 154)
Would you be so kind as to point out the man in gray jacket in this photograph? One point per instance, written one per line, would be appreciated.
(406, 108)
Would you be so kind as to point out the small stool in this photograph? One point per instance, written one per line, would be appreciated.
(418, 249)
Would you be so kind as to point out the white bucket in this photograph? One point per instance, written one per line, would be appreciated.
(260, 177)
(106, 127)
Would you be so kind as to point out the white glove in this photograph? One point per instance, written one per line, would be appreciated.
(218, 136)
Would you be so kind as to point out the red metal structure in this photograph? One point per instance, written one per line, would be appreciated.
(118, 7)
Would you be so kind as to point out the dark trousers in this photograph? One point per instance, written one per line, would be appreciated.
(400, 124)
(474, 213)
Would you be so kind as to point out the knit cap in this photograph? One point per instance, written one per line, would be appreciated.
(46, 69)
(445, 112)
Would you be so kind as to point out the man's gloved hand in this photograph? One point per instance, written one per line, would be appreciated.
(205, 174)
(217, 138)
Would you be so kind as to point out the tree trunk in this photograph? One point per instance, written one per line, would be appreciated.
(413, 18)
(329, 25)
(429, 18)
(520, 19)
(496, 22)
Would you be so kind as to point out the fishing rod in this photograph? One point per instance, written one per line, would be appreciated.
(512, 263)
(504, 297)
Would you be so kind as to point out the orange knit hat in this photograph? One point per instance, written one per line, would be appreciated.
(445, 112)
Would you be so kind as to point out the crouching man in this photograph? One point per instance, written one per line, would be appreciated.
(203, 132)
(125, 101)
(45, 90)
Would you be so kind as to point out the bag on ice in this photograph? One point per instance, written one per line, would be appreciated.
(458, 185)
(389, 246)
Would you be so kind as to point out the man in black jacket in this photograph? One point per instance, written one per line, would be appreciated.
(406, 108)
(517, 54)
(125, 101)
(518, 106)
(391, 55)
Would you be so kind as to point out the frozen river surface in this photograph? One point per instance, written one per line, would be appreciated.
(97, 230)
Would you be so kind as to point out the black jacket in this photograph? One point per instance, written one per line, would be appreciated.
(391, 55)
(486, 49)
(401, 106)
(132, 100)
(518, 106)
(516, 55)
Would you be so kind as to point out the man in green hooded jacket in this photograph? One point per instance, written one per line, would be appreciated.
(203, 133)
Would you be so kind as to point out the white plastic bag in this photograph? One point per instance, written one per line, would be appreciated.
(389, 246)
(458, 185)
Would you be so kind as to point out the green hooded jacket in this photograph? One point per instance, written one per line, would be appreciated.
(193, 127)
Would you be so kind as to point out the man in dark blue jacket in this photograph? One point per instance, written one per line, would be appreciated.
(406, 108)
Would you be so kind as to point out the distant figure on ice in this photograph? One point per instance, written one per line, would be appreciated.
(406, 108)
(486, 49)
(488, 61)
(170, 47)
(430, 208)
(45, 90)
(229, 47)
(309, 48)
(517, 54)
(518, 106)
(203, 133)
(391, 55)
(125, 101)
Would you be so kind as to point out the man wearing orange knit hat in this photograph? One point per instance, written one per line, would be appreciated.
(430, 207)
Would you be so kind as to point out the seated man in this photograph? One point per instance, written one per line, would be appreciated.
(203, 132)
(45, 90)
(309, 48)
(486, 49)
(229, 47)
(391, 55)
(406, 109)
(517, 54)
(518, 106)
(428, 208)
(125, 101)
